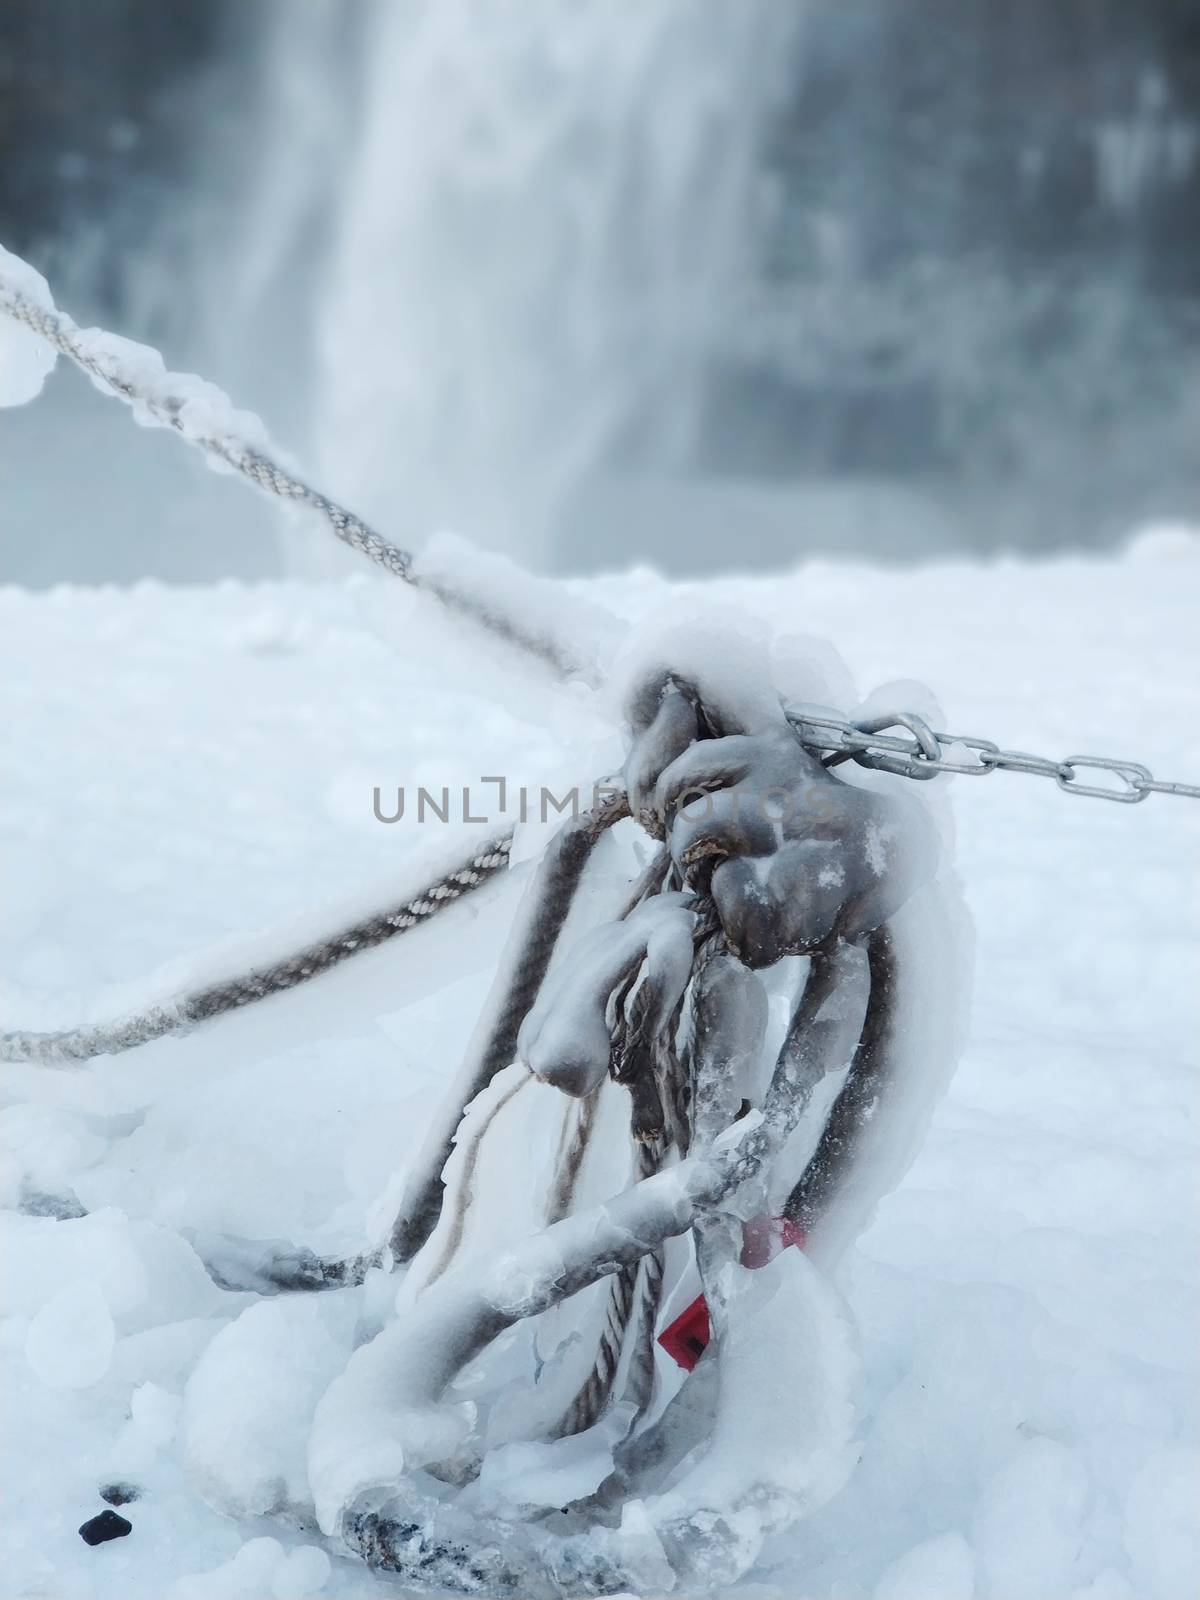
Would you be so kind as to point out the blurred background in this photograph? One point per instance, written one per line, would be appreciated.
(693, 283)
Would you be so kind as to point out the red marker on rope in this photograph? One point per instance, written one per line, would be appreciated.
(763, 1237)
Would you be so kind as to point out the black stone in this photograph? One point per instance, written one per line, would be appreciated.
(119, 1494)
(108, 1525)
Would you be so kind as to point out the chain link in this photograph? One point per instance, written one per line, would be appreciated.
(922, 753)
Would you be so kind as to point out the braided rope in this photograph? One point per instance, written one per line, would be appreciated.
(464, 1197)
(657, 1057)
(593, 1396)
(65, 335)
(857, 1102)
(533, 941)
(639, 1384)
(265, 472)
(81, 1044)
(579, 1124)
(166, 402)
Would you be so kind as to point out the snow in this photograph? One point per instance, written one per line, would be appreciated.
(70, 1341)
(724, 655)
(585, 634)
(248, 1405)
(943, 1568)
(261, 1570)
(26, 360)
(788, 1426)
(564, 1040)
(185, 767)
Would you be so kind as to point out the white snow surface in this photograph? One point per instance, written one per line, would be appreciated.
(186, 767)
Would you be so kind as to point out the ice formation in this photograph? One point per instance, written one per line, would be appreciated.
(683, 1483)
(26, 360)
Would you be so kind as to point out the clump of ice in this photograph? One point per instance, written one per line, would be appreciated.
(783, 1437)
(943, 1567)
(550, 1473)
(153, 1421)
(721, 653)
(145, 1274)
(42, 1150)
(261, 1570)
(249, 1403)
(159, 398)
(1161, 1531)
(1044, 1491)
(26, 359)
(180, 400)
(70, 1342)
(579, 631)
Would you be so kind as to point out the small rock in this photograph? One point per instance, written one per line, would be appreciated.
(40, 1203)
(119, 1494)
(108, 1525)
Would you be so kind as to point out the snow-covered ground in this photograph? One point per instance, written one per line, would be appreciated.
(185, 766)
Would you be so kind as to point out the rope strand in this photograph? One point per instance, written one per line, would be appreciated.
(166, 402)
(111, 1038)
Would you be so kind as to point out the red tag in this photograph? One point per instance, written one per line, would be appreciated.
(763, 1237)
(687, 1338)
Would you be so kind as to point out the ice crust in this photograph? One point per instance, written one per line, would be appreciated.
(26, 359)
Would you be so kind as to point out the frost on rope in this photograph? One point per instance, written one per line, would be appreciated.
(191, 405)
(247, 967)
(159, 398)
(26, 360)
(564, 1040)
(577, 634)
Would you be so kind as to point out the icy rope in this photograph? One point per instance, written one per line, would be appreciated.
(394, 1384)
(203, 415)
(74, 1045)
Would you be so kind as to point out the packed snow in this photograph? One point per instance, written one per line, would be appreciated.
(188, 767)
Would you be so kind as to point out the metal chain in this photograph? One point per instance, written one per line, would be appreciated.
(922, 753)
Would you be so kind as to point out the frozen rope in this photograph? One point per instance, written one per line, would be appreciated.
(533, 941)
(857, 1102)
(579, 1123)
(396, 1381)
(465, 1195)
(165, 400)
(111, 1038)
(593, 1397)
(272, 1266)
